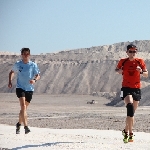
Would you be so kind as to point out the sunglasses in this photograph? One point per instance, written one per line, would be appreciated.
(132, 51)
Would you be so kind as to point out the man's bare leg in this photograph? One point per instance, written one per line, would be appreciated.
(126, 126)
(20, 117)
(129, 120)
(23, 113)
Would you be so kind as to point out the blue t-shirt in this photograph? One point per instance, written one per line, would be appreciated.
(25, 73)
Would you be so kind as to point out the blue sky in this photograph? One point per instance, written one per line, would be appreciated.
(47, 26)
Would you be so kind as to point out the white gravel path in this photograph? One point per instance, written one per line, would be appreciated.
(70, 139)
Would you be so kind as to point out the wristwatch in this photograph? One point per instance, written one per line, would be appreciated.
(35, 80)
(141, 72)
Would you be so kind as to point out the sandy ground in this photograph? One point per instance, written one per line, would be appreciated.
(70, 139)
(71, 112)
(68, 122)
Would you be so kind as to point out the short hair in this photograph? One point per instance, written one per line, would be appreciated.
(25, 50)
(131, 46)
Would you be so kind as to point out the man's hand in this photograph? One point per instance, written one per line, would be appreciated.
(9, 84)
(120, 71)
(139, 69)
(37, 77)
(143, 72)
(32, 81)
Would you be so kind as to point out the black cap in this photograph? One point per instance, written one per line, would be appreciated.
(131, 46)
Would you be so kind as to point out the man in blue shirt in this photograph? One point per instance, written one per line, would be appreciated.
(27, 74)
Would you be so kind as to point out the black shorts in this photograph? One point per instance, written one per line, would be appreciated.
(22, 93)
(136, 93)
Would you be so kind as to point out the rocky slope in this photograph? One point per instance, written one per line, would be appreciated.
(79, 71)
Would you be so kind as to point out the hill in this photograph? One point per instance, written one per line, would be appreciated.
(79, 71)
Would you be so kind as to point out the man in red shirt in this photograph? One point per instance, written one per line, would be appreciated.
(131, 68)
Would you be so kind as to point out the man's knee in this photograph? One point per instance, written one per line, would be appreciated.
(130, 110)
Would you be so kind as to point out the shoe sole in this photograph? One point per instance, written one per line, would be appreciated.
(125, 140)
(17, 132)
(27, 132)
(130, 140)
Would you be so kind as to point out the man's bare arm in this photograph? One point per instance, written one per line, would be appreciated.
(11, 75)
(37, 77)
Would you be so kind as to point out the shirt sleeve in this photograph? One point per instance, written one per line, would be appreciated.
(119, 65)
(143, 65)
(36, 69)
(15, 67)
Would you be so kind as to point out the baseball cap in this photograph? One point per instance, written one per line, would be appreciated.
(130, 46)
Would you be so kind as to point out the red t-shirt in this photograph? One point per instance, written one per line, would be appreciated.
(131, 77)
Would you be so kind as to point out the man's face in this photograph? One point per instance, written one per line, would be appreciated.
(25, 55)
(132, 52)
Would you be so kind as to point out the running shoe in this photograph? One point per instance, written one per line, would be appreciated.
(27, 130)
(130, 137)
(18, 125)
(125, 134)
